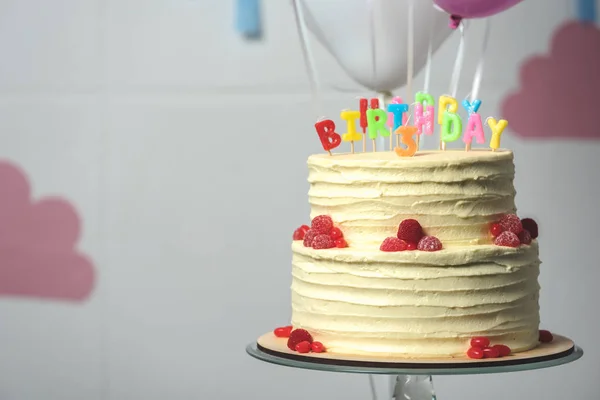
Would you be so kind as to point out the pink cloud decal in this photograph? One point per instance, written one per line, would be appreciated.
(38, 255)
(558, 91)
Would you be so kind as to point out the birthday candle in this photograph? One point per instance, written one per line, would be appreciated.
(363, 107)
(329, 138)
(471, 106)
(376, 119)
(497, 128)
(407, 133)
(424, 119)
(446, 103)
(451, 127)
(351, 135)
(474, 130)
(397, 112)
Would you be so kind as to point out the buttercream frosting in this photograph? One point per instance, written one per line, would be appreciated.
(360, 300)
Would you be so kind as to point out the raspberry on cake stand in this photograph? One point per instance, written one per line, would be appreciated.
(412, 378)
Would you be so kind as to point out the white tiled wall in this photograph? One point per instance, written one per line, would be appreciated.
(184, 147)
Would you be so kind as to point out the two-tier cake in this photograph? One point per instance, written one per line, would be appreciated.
(362, 286)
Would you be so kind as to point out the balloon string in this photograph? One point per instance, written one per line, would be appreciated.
(309, 60)
(458, 62)
(410, 50)
(479, 71)
(371, 7)
(428, 64)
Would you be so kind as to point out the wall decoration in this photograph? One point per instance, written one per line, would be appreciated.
(557, 90)
(38, 238)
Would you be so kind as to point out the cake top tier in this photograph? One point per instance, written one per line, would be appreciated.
(454, 195)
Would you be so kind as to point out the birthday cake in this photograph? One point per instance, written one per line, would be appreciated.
(414, 255)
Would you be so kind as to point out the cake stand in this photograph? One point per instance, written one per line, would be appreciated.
(412, 377)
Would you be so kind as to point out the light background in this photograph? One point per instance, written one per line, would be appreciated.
(184, 149)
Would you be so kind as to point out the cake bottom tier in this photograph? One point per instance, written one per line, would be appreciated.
(416, 304)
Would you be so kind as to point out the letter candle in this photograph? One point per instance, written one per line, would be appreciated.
(424, 114)
(364, 106)
(497, 128)
(398, 110)
(376, 121)
(451, 124)
(474, 130)
(391, 120)
(351, 135)
(329, 138)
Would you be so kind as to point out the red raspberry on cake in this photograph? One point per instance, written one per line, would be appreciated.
(503, 349)
(283, 331)
(303, 347)
(429, 243)
(507, 239)
(298, 336)
(525, 237)
(322, 224)
(545, 336)
(411, 246)
(309, 236)
(531, 226)
(317, 347)
(336, 233)
(300, 232)
(392, 244)
(496, 229)
(323, 242)
(340, 243)
(410, 231)
(511, 223)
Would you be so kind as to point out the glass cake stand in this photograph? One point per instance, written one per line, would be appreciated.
(413, 379)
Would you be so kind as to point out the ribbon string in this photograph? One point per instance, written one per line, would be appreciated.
(458, 62)
(479, 71)
(309, 59)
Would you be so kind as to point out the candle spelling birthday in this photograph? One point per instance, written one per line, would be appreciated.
(375, 121)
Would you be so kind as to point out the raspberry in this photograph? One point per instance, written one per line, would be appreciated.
(429, 243)
(336, 233)
(340, 243)
(410, 231)
(531, 226)
(511, 223)
(322, 224)
(317, 347)
(284, 331)
(393, 244)
(411, 246)
(303, 347)
(322, 242)
(491, 352)
(496, 229)
(300, 232)
(309, 236)
(297, 336)
(507, 239)
(475, 352)
(480, 341)
(525, 237)
(503, 350)
(545, 336)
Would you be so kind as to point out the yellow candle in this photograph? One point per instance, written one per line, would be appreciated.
(497, 128)
(350, 117)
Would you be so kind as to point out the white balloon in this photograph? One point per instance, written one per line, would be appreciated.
(344, 28)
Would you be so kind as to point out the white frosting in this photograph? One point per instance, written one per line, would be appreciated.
(360, 300)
